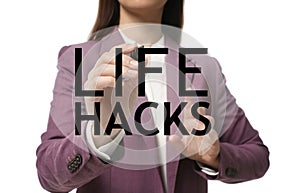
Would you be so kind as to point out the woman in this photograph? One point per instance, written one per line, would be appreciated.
(66, 161)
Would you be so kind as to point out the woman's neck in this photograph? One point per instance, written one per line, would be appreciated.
(143, 26)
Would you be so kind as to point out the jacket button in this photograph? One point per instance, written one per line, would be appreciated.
(231, 172)
(75, 163)
(78, 158)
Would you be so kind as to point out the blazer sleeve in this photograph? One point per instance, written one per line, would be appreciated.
(63, 159)
(243, 155)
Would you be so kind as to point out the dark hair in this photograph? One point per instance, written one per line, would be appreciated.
(109, 15)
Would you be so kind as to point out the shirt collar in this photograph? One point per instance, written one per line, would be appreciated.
(158, 44)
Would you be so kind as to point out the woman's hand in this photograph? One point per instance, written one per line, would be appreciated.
(102, 77)
(204, 149)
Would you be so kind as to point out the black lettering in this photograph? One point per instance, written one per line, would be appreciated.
(78, 77)
(142, 66)
(137, 118)
(79, 117)
(118, 67)
(194, 111)
(174, 118)
(111, 123)
(184, 70)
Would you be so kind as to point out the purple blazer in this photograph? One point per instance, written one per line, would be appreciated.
(64, 162)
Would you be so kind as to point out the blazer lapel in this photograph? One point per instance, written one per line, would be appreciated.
(172, 96)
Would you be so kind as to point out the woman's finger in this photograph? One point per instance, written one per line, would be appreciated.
(100, 82)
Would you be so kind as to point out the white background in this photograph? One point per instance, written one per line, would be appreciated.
(257, 43)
